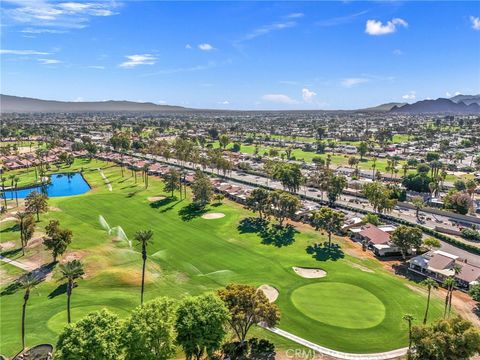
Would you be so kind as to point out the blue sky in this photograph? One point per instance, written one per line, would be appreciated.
(241, 55)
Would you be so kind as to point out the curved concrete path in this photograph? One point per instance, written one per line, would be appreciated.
(338, 354)
(16, 263)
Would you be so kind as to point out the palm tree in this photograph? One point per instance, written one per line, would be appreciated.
(71, 271)
(27, 283)
(143, 237)
(429, 283)
(12, 180)
(15, 180)
(409, 318)
(449, 283)
(374, 166)
(2, 179)
(456, 269)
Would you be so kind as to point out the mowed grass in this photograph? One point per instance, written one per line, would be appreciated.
(190, 255)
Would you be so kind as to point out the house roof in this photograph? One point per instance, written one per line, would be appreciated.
(375, 235)
(440, 262)
(468, 273)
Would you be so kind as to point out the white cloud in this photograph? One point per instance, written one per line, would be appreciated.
(22, 52)
(475, 22)
(279, 98)
(188, 46)
(56, 14)
(79, 99)
(340, 20)
(98, 67)
(42, 31)
(448, 94)
(139, 59)
(397, 52)
(49, 61)
(210, 65)
(225, 102)
(308, 95)
(412, 95)
(206, 47)
(266, 29)
(375, 27)
(351, 82)
(295, 15)
(162, 102)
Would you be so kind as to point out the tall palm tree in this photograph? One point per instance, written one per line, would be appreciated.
(143, 237)
(409, 318)
(429, 283)
(71, 271)
(2, 179)
(26, 283)
(374, 166)
(449, 283)
(15, 180)
(12, 180)
(456, 269)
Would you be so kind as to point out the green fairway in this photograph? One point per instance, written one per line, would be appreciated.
(339, 304)
(193, 255)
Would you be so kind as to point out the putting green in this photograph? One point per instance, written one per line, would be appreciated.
(339, 304)
(58, 321)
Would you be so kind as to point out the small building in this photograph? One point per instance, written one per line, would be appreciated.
(376, 239)
(440, 265)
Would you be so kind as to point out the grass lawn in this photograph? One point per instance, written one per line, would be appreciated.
(192, 255)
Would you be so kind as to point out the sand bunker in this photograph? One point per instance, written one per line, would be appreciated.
(156, 198)
(270, 292)
(309, 273)
(213, 216)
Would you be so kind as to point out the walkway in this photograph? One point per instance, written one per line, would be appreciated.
(338, 354)
(107, 182)
(16, 264)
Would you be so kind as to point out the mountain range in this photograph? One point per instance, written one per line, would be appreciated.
(440, 105)
(9, 104)
(459, 104)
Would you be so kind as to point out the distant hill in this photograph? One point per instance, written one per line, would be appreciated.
(384, 107)
(9, 104)
(467, 99)
(440, 105)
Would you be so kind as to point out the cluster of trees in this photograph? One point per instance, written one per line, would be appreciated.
(381, 196)
(458, 201)
(277, 204)
(329, 183)
(453, 338)
(198, 325)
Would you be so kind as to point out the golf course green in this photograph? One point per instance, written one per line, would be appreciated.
(357, 307)
(353, 307)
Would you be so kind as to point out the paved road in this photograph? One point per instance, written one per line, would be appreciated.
(338, 354)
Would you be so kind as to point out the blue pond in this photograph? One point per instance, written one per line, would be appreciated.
(60, 185)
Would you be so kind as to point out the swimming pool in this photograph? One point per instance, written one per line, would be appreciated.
(60, 185)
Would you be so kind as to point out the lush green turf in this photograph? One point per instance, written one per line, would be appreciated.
(339, 304)
(191, 255)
